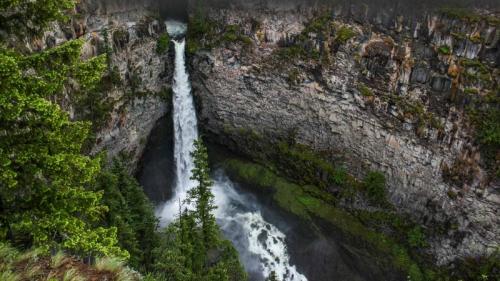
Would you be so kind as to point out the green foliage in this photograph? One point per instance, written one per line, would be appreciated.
(414, 274)
(469, 15)
(344, 34)
(204, 33)
(234, 33)
(165, 94)
(294, 76)
(108, 50)
(185, 244)
(482, 268)
(202, 196)
(308, 202)
(374, 183)
(319, 24)
(417, 110)
(471, 91)
(485, 115)
(444, 50)
(297, 51)
(489, 128)
(305, 166)
(88, 74)
(44, 176)
(201, 34)
(476, 64)
(365, 91)
(162, 43)
(25, 17)
(303, 45)
(131, 213)
(416, 238)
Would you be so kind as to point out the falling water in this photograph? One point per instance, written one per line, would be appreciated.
(261, 245)
(185, 133)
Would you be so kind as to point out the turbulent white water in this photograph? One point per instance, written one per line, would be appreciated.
(261, 245)
(175, 28)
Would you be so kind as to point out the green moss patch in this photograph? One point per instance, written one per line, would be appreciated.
(468, 15)
(365, 91)
(162, 43)
(308, 202)
(344, 34)
(444, 50)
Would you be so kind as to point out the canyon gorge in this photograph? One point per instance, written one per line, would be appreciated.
(347, 140)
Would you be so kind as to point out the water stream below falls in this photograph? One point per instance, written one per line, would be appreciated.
(266, 237)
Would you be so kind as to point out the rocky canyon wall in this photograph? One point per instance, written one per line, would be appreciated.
(383, 91)
(135, 92)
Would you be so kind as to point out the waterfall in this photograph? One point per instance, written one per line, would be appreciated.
(185, 133)
(261, 245)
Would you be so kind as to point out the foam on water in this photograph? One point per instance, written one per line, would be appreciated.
(261, 244)
(176, 28)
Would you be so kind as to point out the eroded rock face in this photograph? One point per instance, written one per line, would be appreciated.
(248, 88)
(144, 74)
(137, 96)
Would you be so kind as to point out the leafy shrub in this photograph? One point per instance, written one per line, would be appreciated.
(416, 238)
(162, 43)
(489, 128)
(414, 273)
(374, 184)
(365, 91)
(319, 24)
(445, 50)
(344, 34)
(201, 33)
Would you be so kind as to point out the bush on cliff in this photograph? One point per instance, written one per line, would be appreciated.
(374, 183)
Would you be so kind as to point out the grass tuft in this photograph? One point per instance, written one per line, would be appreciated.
(72, 275)
(57, 260)
(109, 264)
(9, 276)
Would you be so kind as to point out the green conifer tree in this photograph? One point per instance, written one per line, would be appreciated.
(45, 198)
(202, 195)
(183, 251)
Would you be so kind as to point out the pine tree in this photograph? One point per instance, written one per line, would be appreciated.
(45, 200)
(202, 195)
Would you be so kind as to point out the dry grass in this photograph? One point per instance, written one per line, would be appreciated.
(35, 265)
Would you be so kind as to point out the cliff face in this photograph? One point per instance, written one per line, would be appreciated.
(135, 93)
(382, 91)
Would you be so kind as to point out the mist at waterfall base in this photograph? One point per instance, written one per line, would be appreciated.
(266, 237)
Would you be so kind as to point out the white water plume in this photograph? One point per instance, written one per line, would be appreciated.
(185, 132)
(176, 28)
